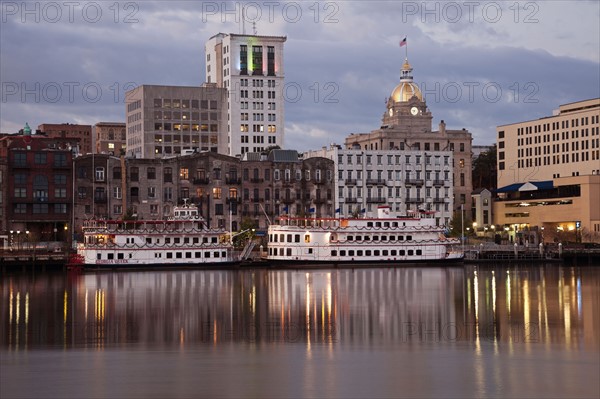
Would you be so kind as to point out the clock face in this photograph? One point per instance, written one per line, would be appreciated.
(414, 110)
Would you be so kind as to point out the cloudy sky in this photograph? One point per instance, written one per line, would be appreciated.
(480, 64)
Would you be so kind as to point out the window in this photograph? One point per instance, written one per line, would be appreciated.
(134, 173)
(117, 192)
(99, 173)
(184, 173)
(217, 193)
(60, 160)
(40, 158)
(20, 159)
(168, 175)
(117, 173)
(151, 173)
(151, 192)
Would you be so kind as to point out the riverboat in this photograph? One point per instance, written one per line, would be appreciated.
(180, 240)
(361, 240)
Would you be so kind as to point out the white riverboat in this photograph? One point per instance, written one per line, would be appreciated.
(181, 240)
(364, 240)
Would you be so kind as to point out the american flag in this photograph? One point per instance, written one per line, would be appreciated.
(403, 42)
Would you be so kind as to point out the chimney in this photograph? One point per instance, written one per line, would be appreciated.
(442, 127)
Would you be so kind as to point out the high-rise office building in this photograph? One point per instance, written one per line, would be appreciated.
(164, 121)
(251, 69)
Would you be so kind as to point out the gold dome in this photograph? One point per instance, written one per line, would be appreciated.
(404, 92)
(407, 88)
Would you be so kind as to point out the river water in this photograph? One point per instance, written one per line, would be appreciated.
(443, 332)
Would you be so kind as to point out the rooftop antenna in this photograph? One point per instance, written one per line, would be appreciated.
(243, 21)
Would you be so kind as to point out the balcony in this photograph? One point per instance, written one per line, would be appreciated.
(233, 180)
(439, 200)
(350, 182)
(376, 200)
(288, 200)
(351, 200)
(231, 200)
(378, 182)
(414, 182)
(258, 199)
(201, 180)
(438, 183)
(414, 200)
(256, 180)
(319, 200)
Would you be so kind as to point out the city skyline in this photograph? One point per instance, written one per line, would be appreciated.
(479, 64)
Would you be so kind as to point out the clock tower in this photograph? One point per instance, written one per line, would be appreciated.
(405, 109)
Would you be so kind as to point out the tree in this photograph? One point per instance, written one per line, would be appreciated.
(457, 224)
(485, 172)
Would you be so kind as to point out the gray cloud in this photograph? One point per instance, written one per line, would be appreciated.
(344, 59)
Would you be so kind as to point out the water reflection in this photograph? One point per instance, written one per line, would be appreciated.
(530, 305)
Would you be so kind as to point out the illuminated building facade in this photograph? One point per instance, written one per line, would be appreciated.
(549, 174)
(250, 68)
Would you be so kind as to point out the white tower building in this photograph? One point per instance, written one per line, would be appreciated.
(251, 69)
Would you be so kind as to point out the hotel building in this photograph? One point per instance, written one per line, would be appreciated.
(250, 68)
(406, 180)
(549, 174)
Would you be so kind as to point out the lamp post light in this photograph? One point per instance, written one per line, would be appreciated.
(12, 239)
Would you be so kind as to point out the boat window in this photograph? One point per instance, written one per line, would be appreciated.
(402, 252)
(358, 238)
(386, 224)
(334, 253)
(158, 240)
(148, 240)
(359, 252)
(310, 250)
(394, 224)
(410, 252)
(351, 252)
(342, 253)
(280, 251)
(350, 238)
(384, 238)
(367, 238)
(186, 240)
(198, 254)
(289, 238)
(289, 251)
(207, 254)
(281, 237)
(297, 238)
(384, 252)
(368, 252)
(369, 224)
(177, 240)
(188, 255)
(307, 238)
(178, 255)
(376, 252)
(408, 238)
(223, 254)
(169, 255)
(110, 256)
(375, 238)
(217, 254)
(377, 224)
(196, 240)
(275, 237)
(393, 252)
(214, 240)
(400, 238)
(205, 240)
(98, 256)
(167, 240)
(120, 255)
